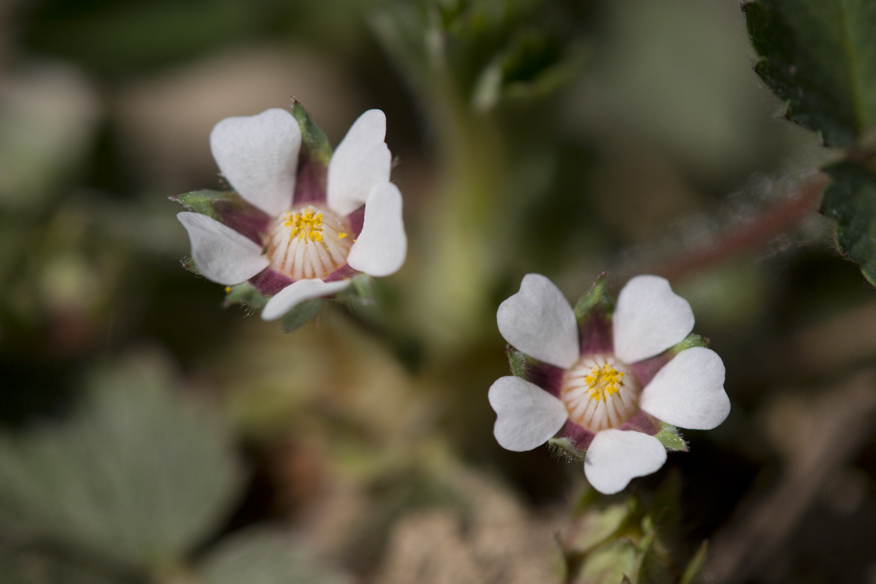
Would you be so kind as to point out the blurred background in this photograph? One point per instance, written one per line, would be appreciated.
(149, 434)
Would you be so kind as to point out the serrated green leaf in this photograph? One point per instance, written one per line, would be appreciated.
(300, 314)
(314, 142)
(264, 555)
(137, 474)
(671, 439)
(595, 299)
(245, 294)
(851, 200)
(819, 56)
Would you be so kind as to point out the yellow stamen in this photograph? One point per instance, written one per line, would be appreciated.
(307, 225)
(342, 235)
(603, 382)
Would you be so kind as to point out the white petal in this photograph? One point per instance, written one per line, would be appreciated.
(527, 414)
(539, 321)
(360, 161)
(223, 255)
(649, 318)
(297, 292)
(258, 156)
(689, 391)
(615, 457)
(382, 245)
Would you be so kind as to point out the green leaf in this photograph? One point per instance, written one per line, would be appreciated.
(695, 565)
(851, 200)
(300, 314)
(30, 566)
(138, 474)
(609, 563)
(314, 142)
(596, 299)
(265, 556)
(819, 56)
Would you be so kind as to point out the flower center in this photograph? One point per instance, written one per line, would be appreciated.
(309, 243)
(600, 392)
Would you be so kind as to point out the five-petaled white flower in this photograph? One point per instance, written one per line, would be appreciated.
(605, 383)
(303, 235)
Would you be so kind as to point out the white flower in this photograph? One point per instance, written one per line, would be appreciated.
(603, 381)
(307, 235)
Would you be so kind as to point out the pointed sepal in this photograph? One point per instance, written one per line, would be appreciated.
(228, 208)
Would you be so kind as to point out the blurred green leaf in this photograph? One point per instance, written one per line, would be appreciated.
(265, 556)
(609, 563)
(695, 565)
(819, 56)
(138, 473)
(851, 200)
(20, 566)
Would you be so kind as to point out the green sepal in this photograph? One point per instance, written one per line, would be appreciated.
(670, 438)
(300, 314)
(188, 263)
(691, 340)
(517, 361)
(850, 199)
(206, 201)
(361, 288)
(245, 294)
(314, 143)
(597, 299)
(564, 446)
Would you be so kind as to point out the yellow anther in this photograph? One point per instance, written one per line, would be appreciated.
(603, 382)
(307, 225)
(342, 235)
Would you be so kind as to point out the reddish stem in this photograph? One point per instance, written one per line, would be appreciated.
(761, 231)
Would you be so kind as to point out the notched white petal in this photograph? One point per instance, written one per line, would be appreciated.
(382, 246)
(360, 161)
(297, 292)
(649, 318)
(259, 156)
(689, 391)
(222, 254)
(539, 321)
(526, 414)
(615, 457)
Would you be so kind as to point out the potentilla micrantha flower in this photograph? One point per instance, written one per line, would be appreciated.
(605, 383)
(302, 230)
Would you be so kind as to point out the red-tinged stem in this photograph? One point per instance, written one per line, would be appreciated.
(779, 218)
